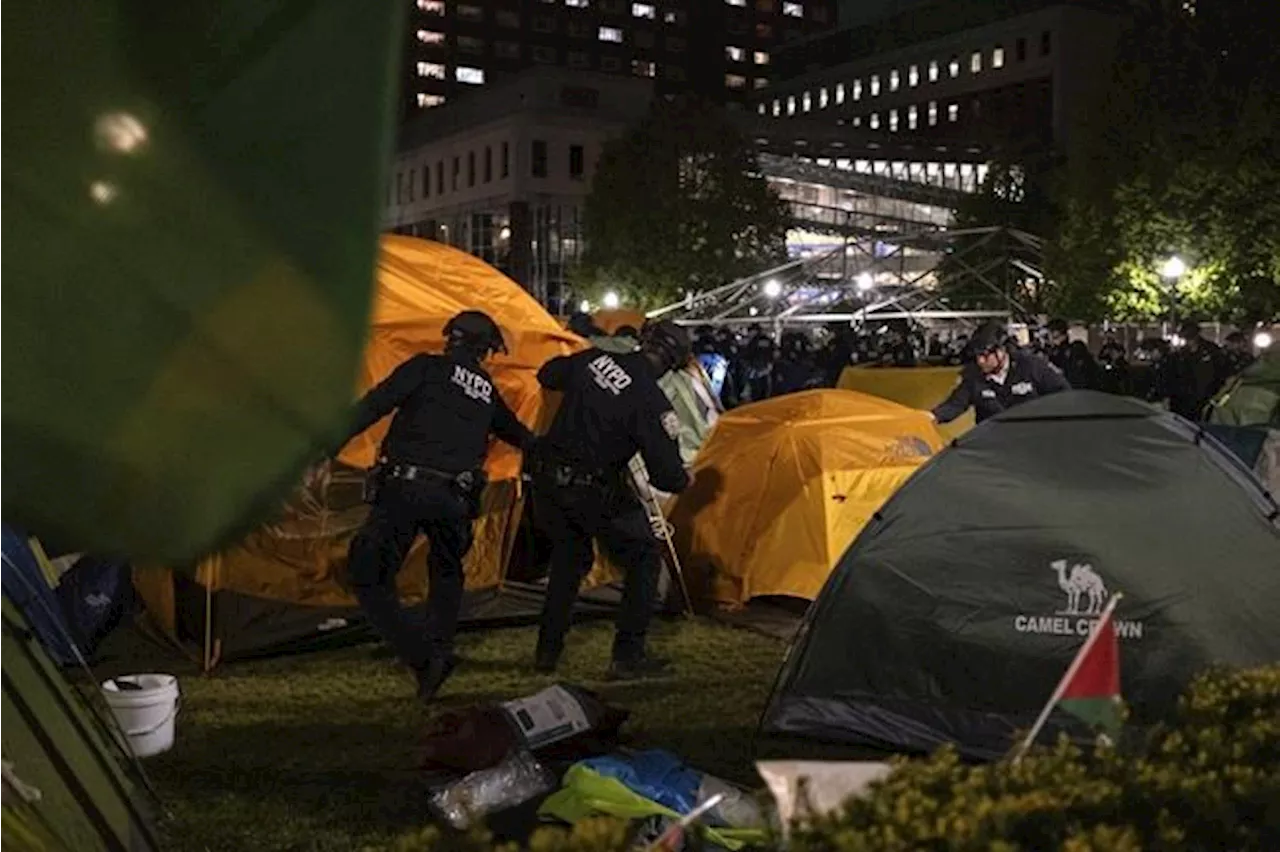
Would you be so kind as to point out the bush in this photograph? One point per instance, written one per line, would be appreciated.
(1207, 780)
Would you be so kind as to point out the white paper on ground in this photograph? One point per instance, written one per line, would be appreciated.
(804, 788)
(548, 716)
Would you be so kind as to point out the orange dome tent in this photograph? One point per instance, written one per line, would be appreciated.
(782, 486)
(283, 585)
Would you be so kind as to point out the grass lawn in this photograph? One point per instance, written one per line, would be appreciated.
(317, 752)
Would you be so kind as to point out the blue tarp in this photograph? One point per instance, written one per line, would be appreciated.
(25, 584)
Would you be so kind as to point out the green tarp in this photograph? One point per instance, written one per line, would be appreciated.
(191, 204)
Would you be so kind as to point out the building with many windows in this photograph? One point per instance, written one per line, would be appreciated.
(504, 174)
(719, 48)
(1014, 77)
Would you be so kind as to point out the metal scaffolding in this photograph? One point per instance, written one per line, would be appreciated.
(898, 275)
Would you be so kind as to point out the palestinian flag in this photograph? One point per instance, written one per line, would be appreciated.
(1092, 691)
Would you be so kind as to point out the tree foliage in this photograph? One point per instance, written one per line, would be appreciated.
(679, 203)
(1184, 158)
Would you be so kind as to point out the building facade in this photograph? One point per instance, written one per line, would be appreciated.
(504, 175)
(1014, 78)
(721, 49)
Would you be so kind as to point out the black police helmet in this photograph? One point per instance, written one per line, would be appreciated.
(474, 331)
(667, 341)
(987, 337)
(583, 325)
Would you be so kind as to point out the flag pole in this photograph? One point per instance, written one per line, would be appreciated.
(1107, 612)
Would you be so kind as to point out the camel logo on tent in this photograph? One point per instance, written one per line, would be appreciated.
(1085, 597)
(1085, 591)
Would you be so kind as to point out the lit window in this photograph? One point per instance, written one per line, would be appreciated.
(464, 74)
(761, 109)
(736, 2)
(893, 120)
(432, 7)
(427, 101)
(610, 34)
(672, 18)
(470, 13)
(578, 4)
(875, 121)
(857, 121)
(875, 85)
(933, 71)
(761, 57)
(433, 70)
(953, 68)
(430, 37)
(735, 54)
(975, 62)
(762, 82)
(777, 107)
(913, 117)
(857, 90)
(643, 68)
(806, 102)
(839, 93)
(893, 80)
(953, 112)
(933, 113)
(822, 98)
(735, 81)
(997, 57)
(913, 76)
(643, 10)
(795, 10)
(791, 104)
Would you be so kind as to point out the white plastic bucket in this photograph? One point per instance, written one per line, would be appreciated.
(145, 715)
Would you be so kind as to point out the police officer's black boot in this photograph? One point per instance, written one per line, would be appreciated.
(432, 675)
(640, 667)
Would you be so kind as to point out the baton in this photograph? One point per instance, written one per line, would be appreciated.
(640, 482)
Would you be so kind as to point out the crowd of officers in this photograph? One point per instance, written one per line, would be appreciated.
(429, 476)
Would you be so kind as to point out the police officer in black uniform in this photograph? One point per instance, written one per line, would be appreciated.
(999, 377)
(429, 478)
(1071, 357)
(612, 408)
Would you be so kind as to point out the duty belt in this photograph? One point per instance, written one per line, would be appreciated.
(413, 472)
(566, 476)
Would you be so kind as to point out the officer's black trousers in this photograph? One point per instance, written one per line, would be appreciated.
(573, 516)
(402, 510)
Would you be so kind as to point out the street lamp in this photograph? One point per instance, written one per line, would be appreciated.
(772, 288)
(864, 282)
(1262, 340)
(1173, 269)
(584, 306)
(611, 300)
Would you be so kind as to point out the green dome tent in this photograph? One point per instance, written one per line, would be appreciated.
(65, 781)
(1253, 397)
(954, 613)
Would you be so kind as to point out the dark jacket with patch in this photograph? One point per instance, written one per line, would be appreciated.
(445, 410)
(611, 410)
(1030, 376)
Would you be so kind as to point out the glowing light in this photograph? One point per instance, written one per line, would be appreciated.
(103, 192)
(1176, 340)
(865, 282)
(611, 300)
(1262, 340)
(772, 288)
(1173, 268)
(504, 234)
(584, 306)
(753, 310)
(120, 132)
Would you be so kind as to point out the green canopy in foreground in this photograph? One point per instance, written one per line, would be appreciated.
(191, 200)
